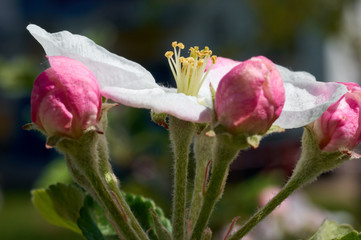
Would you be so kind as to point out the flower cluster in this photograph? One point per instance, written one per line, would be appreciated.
(130, 84)
(237, 102)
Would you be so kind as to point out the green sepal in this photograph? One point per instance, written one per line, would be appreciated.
(86, 223)
(30, 126)
(60, 204)
(51, 141)
(331, 230)
(213, 94)
(161, 231)
(200, 127)
(102, 125)
(140, 207)
(159, 118)
(254, 140)
(274, 129)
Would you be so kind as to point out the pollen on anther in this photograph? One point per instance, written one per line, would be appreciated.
(190, 60)
(214, 59)
(174, 44)
(180, 45)
(168, 54)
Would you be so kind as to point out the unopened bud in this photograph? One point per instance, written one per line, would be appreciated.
(66, 98)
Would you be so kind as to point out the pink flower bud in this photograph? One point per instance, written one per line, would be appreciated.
(340, 126)
(66, 98)
(250, 97)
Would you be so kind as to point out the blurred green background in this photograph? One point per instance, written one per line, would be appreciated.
(318, 36)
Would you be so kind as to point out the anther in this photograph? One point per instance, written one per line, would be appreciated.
(214, 59)
(174, 44)
(168, 54)
(181, 45)
(190, 60)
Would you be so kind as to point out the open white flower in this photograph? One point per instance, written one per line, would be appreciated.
(130, 84)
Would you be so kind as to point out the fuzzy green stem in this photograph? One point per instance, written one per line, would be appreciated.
(294, 183)
(224, 153)
(108, 176)
(110, 179)
(313, 162)
(202, 154)
(119, 217)
(82, 161)
(181, 134)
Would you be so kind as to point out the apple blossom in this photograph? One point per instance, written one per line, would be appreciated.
(250, 97)
(129, 83)
(65, 99)
(339, 127)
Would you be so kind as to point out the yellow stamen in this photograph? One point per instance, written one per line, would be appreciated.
(214, 59)
(200, 63)
(168, 54)
(189, 73)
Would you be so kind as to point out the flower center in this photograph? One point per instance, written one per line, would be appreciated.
(189, 73)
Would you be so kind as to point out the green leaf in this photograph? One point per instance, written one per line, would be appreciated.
(161, 231)
(351, 236)
(140, 207)
(98, 215)
(331, 230)
(60, 205)
(88, 227)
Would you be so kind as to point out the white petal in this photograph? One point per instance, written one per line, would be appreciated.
(161, 100)
(306, 99)
(110, 69)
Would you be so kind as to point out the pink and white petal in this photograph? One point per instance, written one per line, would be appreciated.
(110, 69)
(222, 62)
(214, 76)
(161, 101)
(306, 99)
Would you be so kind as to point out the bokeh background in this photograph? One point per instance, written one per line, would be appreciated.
(322, 37)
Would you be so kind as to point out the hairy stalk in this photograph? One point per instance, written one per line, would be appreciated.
(224, 153)
(82, 161)
(108, 176)
(313, 162)
(112, 183)
(181, 134)
(202, 154)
